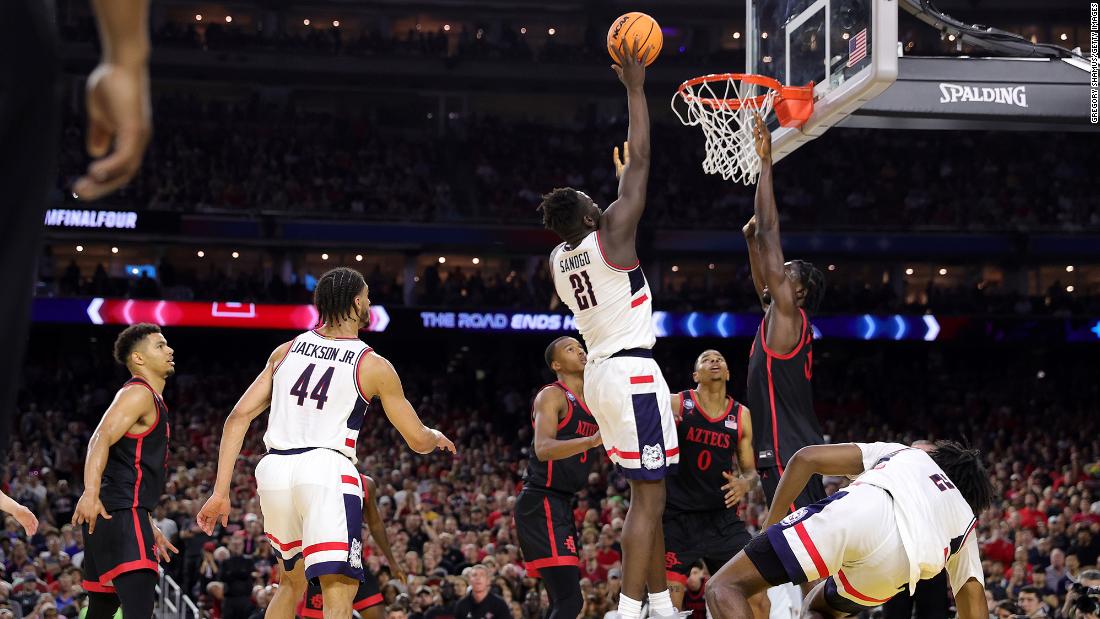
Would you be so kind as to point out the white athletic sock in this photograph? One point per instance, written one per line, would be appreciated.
(630, 608)
(661, 603)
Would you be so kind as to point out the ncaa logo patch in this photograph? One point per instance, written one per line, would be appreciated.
(794, 517)
(689, 404)
(569, 396)
(653, 457)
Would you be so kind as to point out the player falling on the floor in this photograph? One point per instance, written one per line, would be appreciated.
(597, 274)
(907, 515)
(566, 438)
(779, 389)
(368, 600)
(308, 485)
(124, 475)
(716, 471)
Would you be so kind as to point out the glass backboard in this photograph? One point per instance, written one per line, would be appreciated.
(847, 48)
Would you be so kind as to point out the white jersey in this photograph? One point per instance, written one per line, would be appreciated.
(316, 400)
(935, 522)
(612, 305)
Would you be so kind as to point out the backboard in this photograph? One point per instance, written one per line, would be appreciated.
(847, 48)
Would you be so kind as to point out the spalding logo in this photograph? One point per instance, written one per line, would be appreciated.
(794, 517)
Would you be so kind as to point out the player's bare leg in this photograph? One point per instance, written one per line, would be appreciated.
(292, 588)
(374, 612)
(728, 592)
(338, 592)
(643, 544)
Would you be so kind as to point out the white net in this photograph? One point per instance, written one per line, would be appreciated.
(727, 124)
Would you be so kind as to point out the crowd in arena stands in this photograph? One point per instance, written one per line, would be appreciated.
(507, 42)
(525, 284)
(443, 516)
(251, 156)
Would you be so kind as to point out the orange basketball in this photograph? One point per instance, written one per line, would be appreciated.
(636, 26)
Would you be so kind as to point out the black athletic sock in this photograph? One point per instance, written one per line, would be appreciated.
(137, 592)
(563, 587)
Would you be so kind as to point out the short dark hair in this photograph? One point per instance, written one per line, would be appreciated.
(965, 469)
(813, 280)
(1033, 590)
(1011, 607)
(335, 294)
(561, 210)
(130, 337)
(549, 354)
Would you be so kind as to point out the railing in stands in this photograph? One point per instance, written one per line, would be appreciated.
(172, 603)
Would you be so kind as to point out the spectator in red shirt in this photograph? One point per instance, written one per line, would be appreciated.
(997, 548)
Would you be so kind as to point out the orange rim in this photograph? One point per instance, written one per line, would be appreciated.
(731, 104)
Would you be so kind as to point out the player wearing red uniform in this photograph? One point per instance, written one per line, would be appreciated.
(566, 436)
(716, 471)
(124, 476)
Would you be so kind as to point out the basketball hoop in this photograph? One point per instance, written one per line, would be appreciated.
(724, 105)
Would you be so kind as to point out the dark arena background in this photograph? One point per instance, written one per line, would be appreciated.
(958, 232)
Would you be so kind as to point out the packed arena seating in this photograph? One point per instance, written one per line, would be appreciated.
(252, 156)
(521, 287)
(1038, 434)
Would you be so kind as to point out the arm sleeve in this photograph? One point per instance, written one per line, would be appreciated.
(965, 564)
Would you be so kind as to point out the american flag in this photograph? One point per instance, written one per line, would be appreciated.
(857, 48)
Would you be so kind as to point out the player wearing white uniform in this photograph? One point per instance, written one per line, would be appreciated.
(318, 387)
(597, 274)
(907, 515)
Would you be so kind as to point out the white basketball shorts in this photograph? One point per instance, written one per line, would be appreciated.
(312, 504)
(851, 538)
(629, 398)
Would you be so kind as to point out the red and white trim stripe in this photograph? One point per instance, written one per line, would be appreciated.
(637, 455)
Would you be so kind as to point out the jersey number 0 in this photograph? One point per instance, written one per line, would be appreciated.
(585, 298)
(320, 390)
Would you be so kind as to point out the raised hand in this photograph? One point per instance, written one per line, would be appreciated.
(749, 229)
(620, 164)
(630, 63)
(763, 139)
(119, 127)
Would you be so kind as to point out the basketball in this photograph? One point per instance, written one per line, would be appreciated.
(636, 26)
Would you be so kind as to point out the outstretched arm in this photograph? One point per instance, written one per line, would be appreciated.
(620, 221)
(749, 230)
(769, 251)
(380, 374)
(550, 405)
(841, 459)
(256, 399)
(119, 116)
